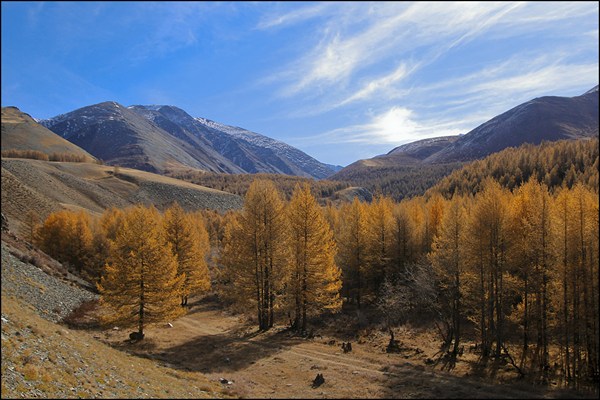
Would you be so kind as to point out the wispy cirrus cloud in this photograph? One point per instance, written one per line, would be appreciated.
(296, 15)
(378, 85)
(500, 87)
(392, 58)
(350, 42)
(484, 95)
(171, 27)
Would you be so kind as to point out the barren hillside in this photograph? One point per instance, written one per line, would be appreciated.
(49, 186)
(21, 132)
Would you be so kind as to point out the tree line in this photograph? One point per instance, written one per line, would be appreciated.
(39, 155)
(240, 183)
(560, 163)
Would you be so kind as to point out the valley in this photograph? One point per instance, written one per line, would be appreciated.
(436, 243)
(300, 200)
(278, 364)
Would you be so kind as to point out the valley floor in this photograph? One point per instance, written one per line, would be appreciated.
(276, 364)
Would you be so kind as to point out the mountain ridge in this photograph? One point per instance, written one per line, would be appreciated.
(548, 118)
(156, 138)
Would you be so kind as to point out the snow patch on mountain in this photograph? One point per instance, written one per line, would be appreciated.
(244, 134)
(291, 153)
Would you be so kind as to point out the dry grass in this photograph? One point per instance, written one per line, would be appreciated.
(277, 364)
(44, 358)
(20, 132)
(50, 186)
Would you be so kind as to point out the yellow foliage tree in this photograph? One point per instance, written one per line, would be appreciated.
(141, 283)
(189, 243)
(380, 231)
(31, 225)
(315, 279)
(111, 222)
(487, 236)
(448, 259)
(255, 250)
(67, 237)
(353, 247)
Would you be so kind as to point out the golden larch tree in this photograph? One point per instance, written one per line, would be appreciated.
(141, 283)
(353, 246)
(315, 280)
(448, 260)
(380, 231)
(487, 236)
(67, 237)
(255, 250)
(31, 224)
(189, 243)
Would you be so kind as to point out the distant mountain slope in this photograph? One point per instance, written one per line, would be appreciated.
(421, 149)
(548, 118)
(50, 186)
(120, 136)
(21, 132)
(248, 150)
(161, 138)
(334, 168)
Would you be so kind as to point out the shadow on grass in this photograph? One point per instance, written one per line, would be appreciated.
(420, 381)
(226, 352)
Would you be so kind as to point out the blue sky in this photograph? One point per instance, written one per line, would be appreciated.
(341, 81)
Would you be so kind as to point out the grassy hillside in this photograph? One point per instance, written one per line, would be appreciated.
(21, 132)
(49, 186)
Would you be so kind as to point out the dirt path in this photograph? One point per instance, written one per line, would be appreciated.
(277, 365)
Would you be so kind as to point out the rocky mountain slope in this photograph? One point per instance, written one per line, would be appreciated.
(160, 137)
(248, 150)
(119, 136)
(549, 118)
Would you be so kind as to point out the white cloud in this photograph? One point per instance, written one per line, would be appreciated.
(363, 35)
(348, 46)
(543, 80)
(171, 27)
(295, 16)
(497, 88)
(395, 126)
(377, 85)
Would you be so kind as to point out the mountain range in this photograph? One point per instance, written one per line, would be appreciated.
(158, 138)
(165, 138)
(548, 118)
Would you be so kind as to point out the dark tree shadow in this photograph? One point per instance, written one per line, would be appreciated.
(226, 352)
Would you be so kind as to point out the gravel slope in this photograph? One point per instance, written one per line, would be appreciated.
(50, 296)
